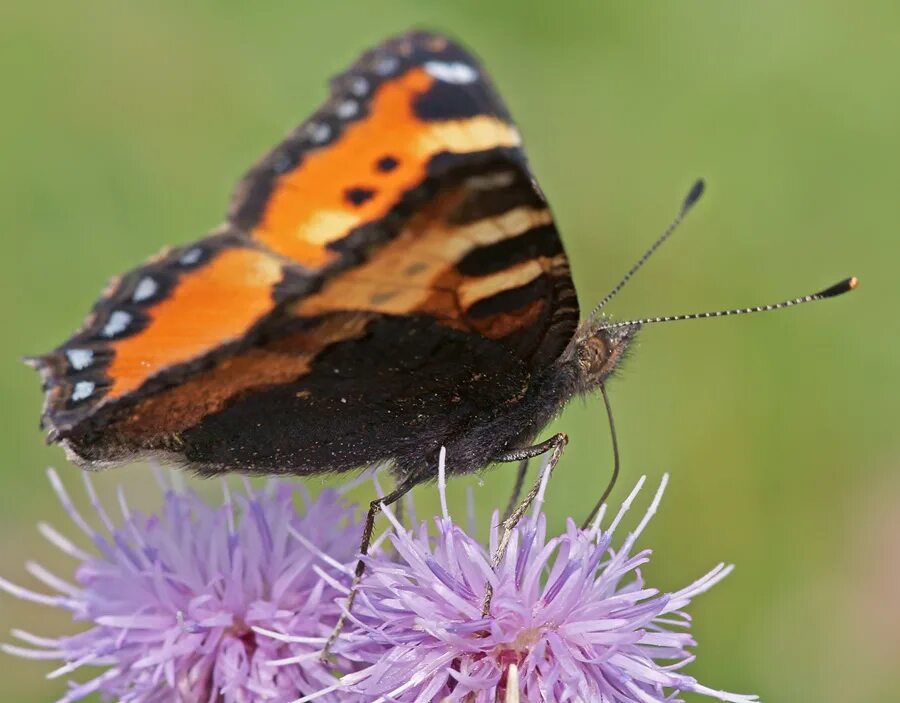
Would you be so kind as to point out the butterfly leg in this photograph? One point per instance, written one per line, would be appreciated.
(517, 488)
(555, 446)
(375, 507)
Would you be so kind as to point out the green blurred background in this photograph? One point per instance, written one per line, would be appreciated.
(126, 125)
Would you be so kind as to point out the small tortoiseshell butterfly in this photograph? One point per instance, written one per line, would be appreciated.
(389, 280)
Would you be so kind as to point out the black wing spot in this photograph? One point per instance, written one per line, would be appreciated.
(358, 196)
(386, 164)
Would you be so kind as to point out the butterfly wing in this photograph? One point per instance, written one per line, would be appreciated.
(155, 324)
(409, 191)
(405, 113)
(407, 196)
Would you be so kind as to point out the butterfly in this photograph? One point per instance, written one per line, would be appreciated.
(389, 280)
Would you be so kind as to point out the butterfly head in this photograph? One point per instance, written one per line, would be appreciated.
(597, 350)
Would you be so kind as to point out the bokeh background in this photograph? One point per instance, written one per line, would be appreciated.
(125, 126)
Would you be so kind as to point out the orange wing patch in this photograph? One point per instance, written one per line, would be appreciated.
(208, 308)
(339, 187)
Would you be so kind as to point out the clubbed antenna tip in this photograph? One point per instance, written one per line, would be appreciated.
(694, 195)
(840, 288)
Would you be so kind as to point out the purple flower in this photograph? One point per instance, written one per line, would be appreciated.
(234, 603)
(571, 618)
(171, 600)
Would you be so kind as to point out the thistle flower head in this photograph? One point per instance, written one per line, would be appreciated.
(233, 604)
(571, 618)
(171, 600)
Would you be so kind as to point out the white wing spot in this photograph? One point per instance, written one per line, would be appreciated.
(454, 72)
(191, 256)
(80, 359)
(347, 109)
(359, 87)
(116, 324)
(82, 390)
(146, 288)
(319, 133)
(387, 65)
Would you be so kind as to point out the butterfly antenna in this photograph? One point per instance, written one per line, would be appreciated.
(839, 288)
(692, 197)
